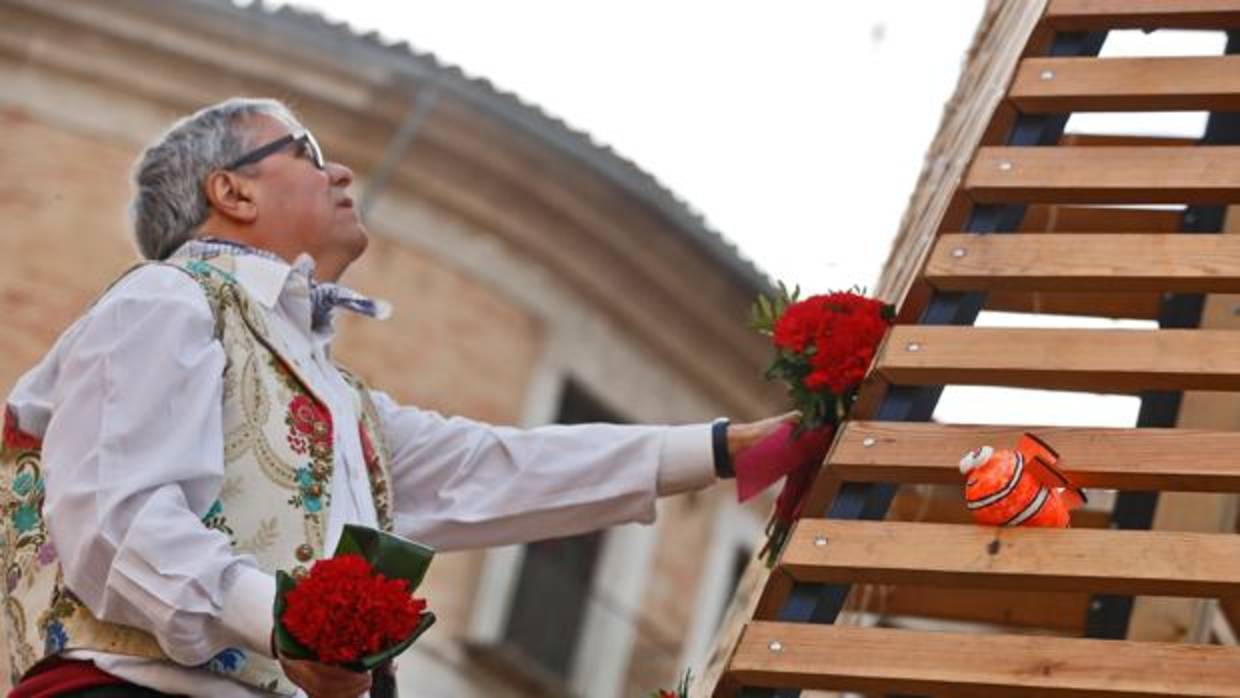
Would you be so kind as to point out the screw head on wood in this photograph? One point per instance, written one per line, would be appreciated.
(776, 646)
(913, 346)
(1005, 165)
(869, 441)
(959, 252)
(1047, 75)
(820, 541)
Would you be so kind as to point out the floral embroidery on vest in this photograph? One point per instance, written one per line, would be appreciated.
(310, 433)
(214, 518)
(378, 479)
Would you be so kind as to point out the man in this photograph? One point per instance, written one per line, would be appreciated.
(196, 436)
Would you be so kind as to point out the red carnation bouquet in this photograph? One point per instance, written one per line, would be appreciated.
(355, 609)
(823, 349)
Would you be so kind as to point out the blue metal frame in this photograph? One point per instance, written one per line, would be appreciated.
(821, 603)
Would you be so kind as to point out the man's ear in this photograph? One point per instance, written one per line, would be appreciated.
(232, 196)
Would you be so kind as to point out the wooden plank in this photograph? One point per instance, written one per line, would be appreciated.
(1188, 460)
(1131, 306)
(1044, 218)
(1184, 83)
(945, 504)
(1122, 139)
(1093, 15)
(1114, 262)
(831, 657)
(1062, 612)
(1160, 563)
(1096, 360)
(1105, 174)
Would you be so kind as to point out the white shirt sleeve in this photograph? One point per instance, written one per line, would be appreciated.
(133, 456)
(462, 484)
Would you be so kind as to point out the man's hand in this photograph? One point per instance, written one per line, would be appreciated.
(325, 681)
(742, 436)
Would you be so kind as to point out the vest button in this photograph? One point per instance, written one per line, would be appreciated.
(304, 552)
(300, 573)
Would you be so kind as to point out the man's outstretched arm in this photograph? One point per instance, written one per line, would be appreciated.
(462, 484)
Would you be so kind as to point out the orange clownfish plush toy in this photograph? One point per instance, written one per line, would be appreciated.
(1020, 487)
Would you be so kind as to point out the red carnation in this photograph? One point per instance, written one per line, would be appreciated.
(824, 346)
(344, 610)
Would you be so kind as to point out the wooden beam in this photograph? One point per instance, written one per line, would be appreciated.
(1130, 306)
(1050, 218)
(1123, 139)
(1095, 360)
(878, 660)
(1188, 460)
(1105, 174)
(1094, 15)
(1160, 563)
(1066, 85)
(1113, 262)
(945, 504)
(1062, 612)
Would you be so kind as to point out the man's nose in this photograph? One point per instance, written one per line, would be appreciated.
(341, 176)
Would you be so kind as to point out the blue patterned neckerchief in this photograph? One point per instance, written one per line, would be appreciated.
(325, 296)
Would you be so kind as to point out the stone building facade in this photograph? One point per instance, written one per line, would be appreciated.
(536, 277)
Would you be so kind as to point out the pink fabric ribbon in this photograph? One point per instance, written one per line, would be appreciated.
(778, 455)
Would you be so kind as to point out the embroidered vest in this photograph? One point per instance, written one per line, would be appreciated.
(273, 504)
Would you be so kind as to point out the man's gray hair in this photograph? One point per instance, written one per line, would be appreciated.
(170, 201)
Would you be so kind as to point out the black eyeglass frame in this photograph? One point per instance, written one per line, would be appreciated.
(301, 137)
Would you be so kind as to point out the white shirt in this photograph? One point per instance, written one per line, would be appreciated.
(130, 403)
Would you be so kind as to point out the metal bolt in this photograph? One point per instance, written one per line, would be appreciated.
(913, 346)
(776, 646)
(1005, 165)
(869, 441)
(1047, 75)
(1095, 606)
(820, 541)
(959, 252)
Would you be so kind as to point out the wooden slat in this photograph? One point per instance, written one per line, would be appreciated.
(1158, 563)
(1105, 174)
(944, 504)
(1131, 306)
(880, 660)
(1092, 15)
(1092, 262)
(1188, 460)
(1043, 218)
(1061, 612)
(1065, 85)
(1098, 360)
(1078, 138)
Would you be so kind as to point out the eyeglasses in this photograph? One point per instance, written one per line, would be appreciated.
(307, 146)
